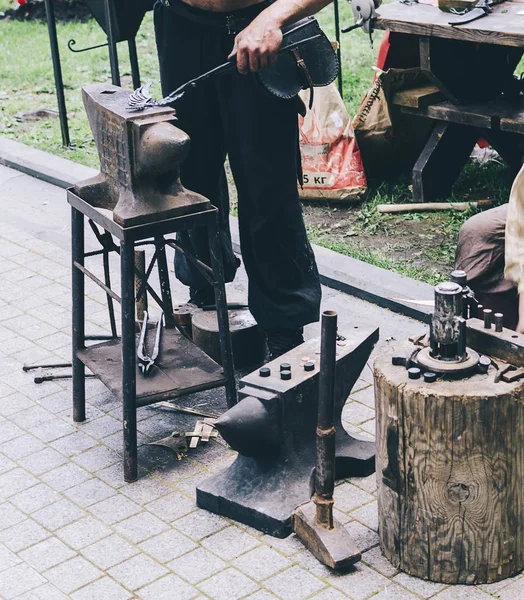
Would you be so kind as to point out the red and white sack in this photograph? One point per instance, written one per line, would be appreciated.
(331, 163)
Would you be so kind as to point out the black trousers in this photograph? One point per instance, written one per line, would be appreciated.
(231, 115)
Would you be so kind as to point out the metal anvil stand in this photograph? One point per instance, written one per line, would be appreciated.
(114, 362)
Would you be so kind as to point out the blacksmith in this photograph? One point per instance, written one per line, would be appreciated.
(491, 251)
(231, 115)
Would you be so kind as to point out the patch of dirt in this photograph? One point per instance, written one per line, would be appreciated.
(64, 12)
(413, 238)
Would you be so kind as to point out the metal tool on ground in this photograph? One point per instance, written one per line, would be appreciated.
(273, 428)
(146, 361)
(178, 442)
(313, 522)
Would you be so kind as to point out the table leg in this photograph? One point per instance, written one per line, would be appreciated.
(78, 310)
(127, 266)
(441, 161)
(226, 348)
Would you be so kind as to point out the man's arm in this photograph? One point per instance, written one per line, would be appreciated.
(514, 270)
(257, 45)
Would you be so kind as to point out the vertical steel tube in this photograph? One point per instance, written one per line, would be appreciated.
(133, 59)
(127, 265)
(78, 309)
(140, 273)
(165, 287)
(226, 347)
(325, 468)
(113, 53)
(57, 69)
(339, 49)
(110, 304)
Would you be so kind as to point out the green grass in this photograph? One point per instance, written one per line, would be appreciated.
(26, 83)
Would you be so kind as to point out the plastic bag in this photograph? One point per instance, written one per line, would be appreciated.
(331, 163)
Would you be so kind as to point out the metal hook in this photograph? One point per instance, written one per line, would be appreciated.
(72, 43)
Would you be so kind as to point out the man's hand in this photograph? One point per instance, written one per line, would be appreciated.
(257, 45)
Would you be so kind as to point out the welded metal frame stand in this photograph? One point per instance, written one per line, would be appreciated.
(113, 61)
(114, 362)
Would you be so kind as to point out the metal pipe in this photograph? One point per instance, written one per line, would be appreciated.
(140, 271)
(226, 347)
(57, 69)
(133, 59)
(113, 53)
(78, 313)
(339, 48)
(127, 265)
(325, 468)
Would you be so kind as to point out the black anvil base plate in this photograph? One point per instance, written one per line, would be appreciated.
(262, 496)
(258, 495)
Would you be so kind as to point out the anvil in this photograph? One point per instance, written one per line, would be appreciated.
(273, 428)
(140, 155)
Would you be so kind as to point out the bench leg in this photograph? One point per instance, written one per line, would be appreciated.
(441, 161)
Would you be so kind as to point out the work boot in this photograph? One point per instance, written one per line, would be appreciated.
(201, 297)
(280, 341)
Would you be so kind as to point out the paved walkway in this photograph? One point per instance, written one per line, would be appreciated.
(69, 525)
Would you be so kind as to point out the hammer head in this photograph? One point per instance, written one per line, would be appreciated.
(334, 546)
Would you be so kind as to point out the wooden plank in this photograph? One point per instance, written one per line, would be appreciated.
(503, 27)
(480, 115)
(420, 97)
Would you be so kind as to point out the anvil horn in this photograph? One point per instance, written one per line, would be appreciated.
(251, 429)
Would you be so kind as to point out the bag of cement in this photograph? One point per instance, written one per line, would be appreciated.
(390, 140)
(331, 163)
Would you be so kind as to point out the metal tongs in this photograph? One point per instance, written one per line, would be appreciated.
(141, 98)
(145, 360)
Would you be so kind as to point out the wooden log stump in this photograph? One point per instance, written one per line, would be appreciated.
(450, 470)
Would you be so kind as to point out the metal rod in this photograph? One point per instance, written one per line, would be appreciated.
(127, 262)
(144, 285)
(78, 309)
(339, 50)
(133, 59)
(499, 322)
(57, 69)
(226, 347)
(206, 270)
(165, 287)
(110, 305)
(487, 314)
(46, 366)
(44, 378)
(140, 273)
(113, 53)
(97, 281)
(72, 43)
(325, 468)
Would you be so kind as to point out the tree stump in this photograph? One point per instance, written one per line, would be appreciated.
(450, 470)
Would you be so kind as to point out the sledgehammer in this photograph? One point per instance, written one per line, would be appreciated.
(313, 521)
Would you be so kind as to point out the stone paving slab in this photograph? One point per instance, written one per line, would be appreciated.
(70, 527)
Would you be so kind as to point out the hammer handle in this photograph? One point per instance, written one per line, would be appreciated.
(325, 469)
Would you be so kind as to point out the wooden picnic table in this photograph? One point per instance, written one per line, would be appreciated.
(467, 70)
